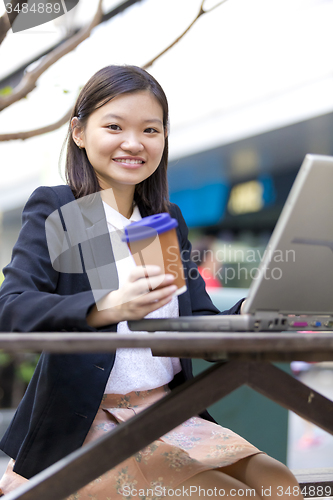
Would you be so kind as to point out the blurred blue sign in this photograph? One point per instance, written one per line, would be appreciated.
(198, 186)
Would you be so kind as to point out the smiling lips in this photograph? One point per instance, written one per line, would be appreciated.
(129, 161)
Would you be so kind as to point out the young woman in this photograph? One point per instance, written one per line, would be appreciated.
(59, 280)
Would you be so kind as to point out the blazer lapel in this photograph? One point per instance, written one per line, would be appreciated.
(97, 250)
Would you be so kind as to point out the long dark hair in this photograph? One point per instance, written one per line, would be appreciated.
(103, 86)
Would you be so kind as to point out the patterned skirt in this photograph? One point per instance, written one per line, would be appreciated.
(194, 446)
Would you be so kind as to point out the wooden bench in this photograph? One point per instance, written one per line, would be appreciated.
(248, 362)
(315, 482)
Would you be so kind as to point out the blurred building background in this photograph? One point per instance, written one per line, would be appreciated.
(250, 94)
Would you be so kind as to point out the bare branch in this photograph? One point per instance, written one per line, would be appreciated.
(74, 43)
(199, 14)
(39, 131)
(6, 20)
(212, 8)
(28, 82)
(4, 26)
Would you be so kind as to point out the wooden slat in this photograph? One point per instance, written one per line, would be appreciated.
(279, 356)
(315, 482)
(200, 345)
(87, 463)
(289, 392)
(247, 351)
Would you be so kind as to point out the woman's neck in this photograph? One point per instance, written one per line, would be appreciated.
(122, 202)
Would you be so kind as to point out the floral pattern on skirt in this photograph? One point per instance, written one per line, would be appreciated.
(192, 447)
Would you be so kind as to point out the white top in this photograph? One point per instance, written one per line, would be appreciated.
(136, 369)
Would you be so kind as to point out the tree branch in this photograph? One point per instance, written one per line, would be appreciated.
(215, 6)
(28, 82)
(66, 117)
(6, 20)
(201, 12)
(39, 131)
(4, 26)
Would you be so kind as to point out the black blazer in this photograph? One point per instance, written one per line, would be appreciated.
(65, 391)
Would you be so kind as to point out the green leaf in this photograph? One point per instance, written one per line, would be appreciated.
(6, 90)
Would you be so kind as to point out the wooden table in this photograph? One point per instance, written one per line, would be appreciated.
(242, 358)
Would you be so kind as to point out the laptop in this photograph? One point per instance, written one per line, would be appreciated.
(293, 287)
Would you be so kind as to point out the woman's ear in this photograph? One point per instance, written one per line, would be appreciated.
(77, 132)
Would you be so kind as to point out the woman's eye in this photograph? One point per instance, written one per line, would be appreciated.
(114, 127)
(150, 130)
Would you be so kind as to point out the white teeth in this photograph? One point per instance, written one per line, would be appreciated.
(130, 162)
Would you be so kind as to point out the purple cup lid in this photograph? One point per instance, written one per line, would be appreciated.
(149, 227)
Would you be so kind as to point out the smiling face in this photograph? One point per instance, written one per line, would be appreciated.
(124, 140)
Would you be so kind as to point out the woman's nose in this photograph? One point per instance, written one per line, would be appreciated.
(133, 144)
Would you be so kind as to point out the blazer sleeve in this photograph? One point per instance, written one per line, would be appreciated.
(201, 303)
(29, 297)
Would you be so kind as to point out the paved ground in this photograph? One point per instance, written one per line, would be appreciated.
(301, 454)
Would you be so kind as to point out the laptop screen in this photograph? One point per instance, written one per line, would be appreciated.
(296, 272)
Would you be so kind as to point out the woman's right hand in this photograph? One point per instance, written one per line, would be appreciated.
(145, 290)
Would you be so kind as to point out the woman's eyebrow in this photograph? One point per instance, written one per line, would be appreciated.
(112, 116)
(117, 117)
(155, 120)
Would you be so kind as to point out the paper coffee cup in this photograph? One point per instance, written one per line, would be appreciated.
(153, 241)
